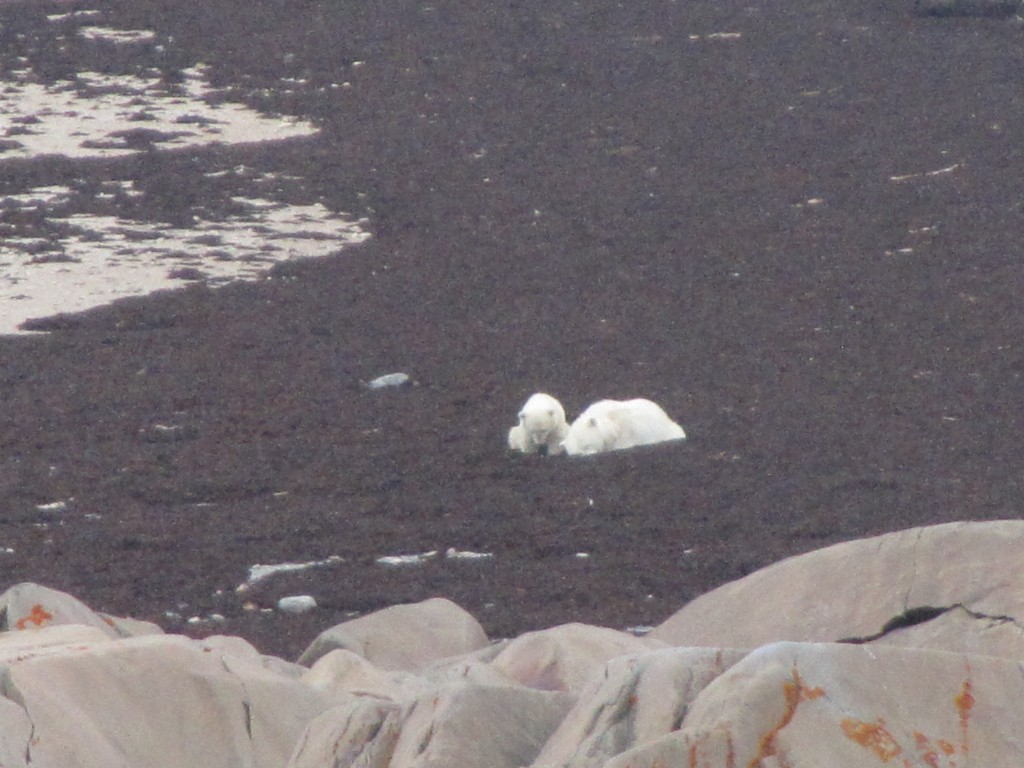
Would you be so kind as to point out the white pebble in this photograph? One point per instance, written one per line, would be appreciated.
(389, 380)
(296, 604)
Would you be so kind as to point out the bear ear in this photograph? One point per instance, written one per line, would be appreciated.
(592, 422)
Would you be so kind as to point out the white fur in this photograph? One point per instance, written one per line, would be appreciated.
(541, 424)
(611, 425)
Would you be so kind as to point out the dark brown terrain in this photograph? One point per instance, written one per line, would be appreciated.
(593, 199)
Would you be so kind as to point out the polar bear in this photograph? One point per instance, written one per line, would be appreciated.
(542, 426)
(610, 425)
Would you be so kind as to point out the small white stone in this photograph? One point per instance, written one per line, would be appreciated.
(296, 604)
(388, 380)
(407, 559)
(462, 554)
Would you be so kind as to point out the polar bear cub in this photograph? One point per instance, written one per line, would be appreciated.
(541, 424)
(611, 425)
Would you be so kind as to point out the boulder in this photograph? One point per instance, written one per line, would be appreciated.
(635, 700)
(865, 589)
(359, 728)
(814, 704)
(162, 701)
(456, 725)
(564, 658)
(31, 606)
(403, 637)
(342, 672)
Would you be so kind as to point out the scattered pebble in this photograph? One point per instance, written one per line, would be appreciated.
(213, 618)
(456, 554)
(407, 559)
(389, 380)
(168, 433)
(296, 604)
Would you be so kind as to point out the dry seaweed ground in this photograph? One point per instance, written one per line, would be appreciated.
(801, 239)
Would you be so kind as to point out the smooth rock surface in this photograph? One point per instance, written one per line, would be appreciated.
(963, 631)
(351, 733)
(634, 700)
(31, 606)
(161, 700)
(564, 658)
(403, 637)
(857, 589)
(459, 725)
(815, 704)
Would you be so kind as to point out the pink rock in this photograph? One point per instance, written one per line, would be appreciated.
(860, 589)
(634, 700)
(162, 701)
(565, 657)
(455, 725)
(403, 637)
(28, 606)
(822, 704)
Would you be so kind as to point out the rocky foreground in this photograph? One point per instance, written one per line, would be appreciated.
(902, 649)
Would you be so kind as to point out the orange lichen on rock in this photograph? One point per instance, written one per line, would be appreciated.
(794, 691)
(874, 736)
(926, 750)
(964, 704)
(37, 616)
(935, 752)
(701, 755)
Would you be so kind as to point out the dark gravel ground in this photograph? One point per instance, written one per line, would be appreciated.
(592, 199)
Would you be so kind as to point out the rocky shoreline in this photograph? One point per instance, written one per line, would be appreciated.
(862, 652)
